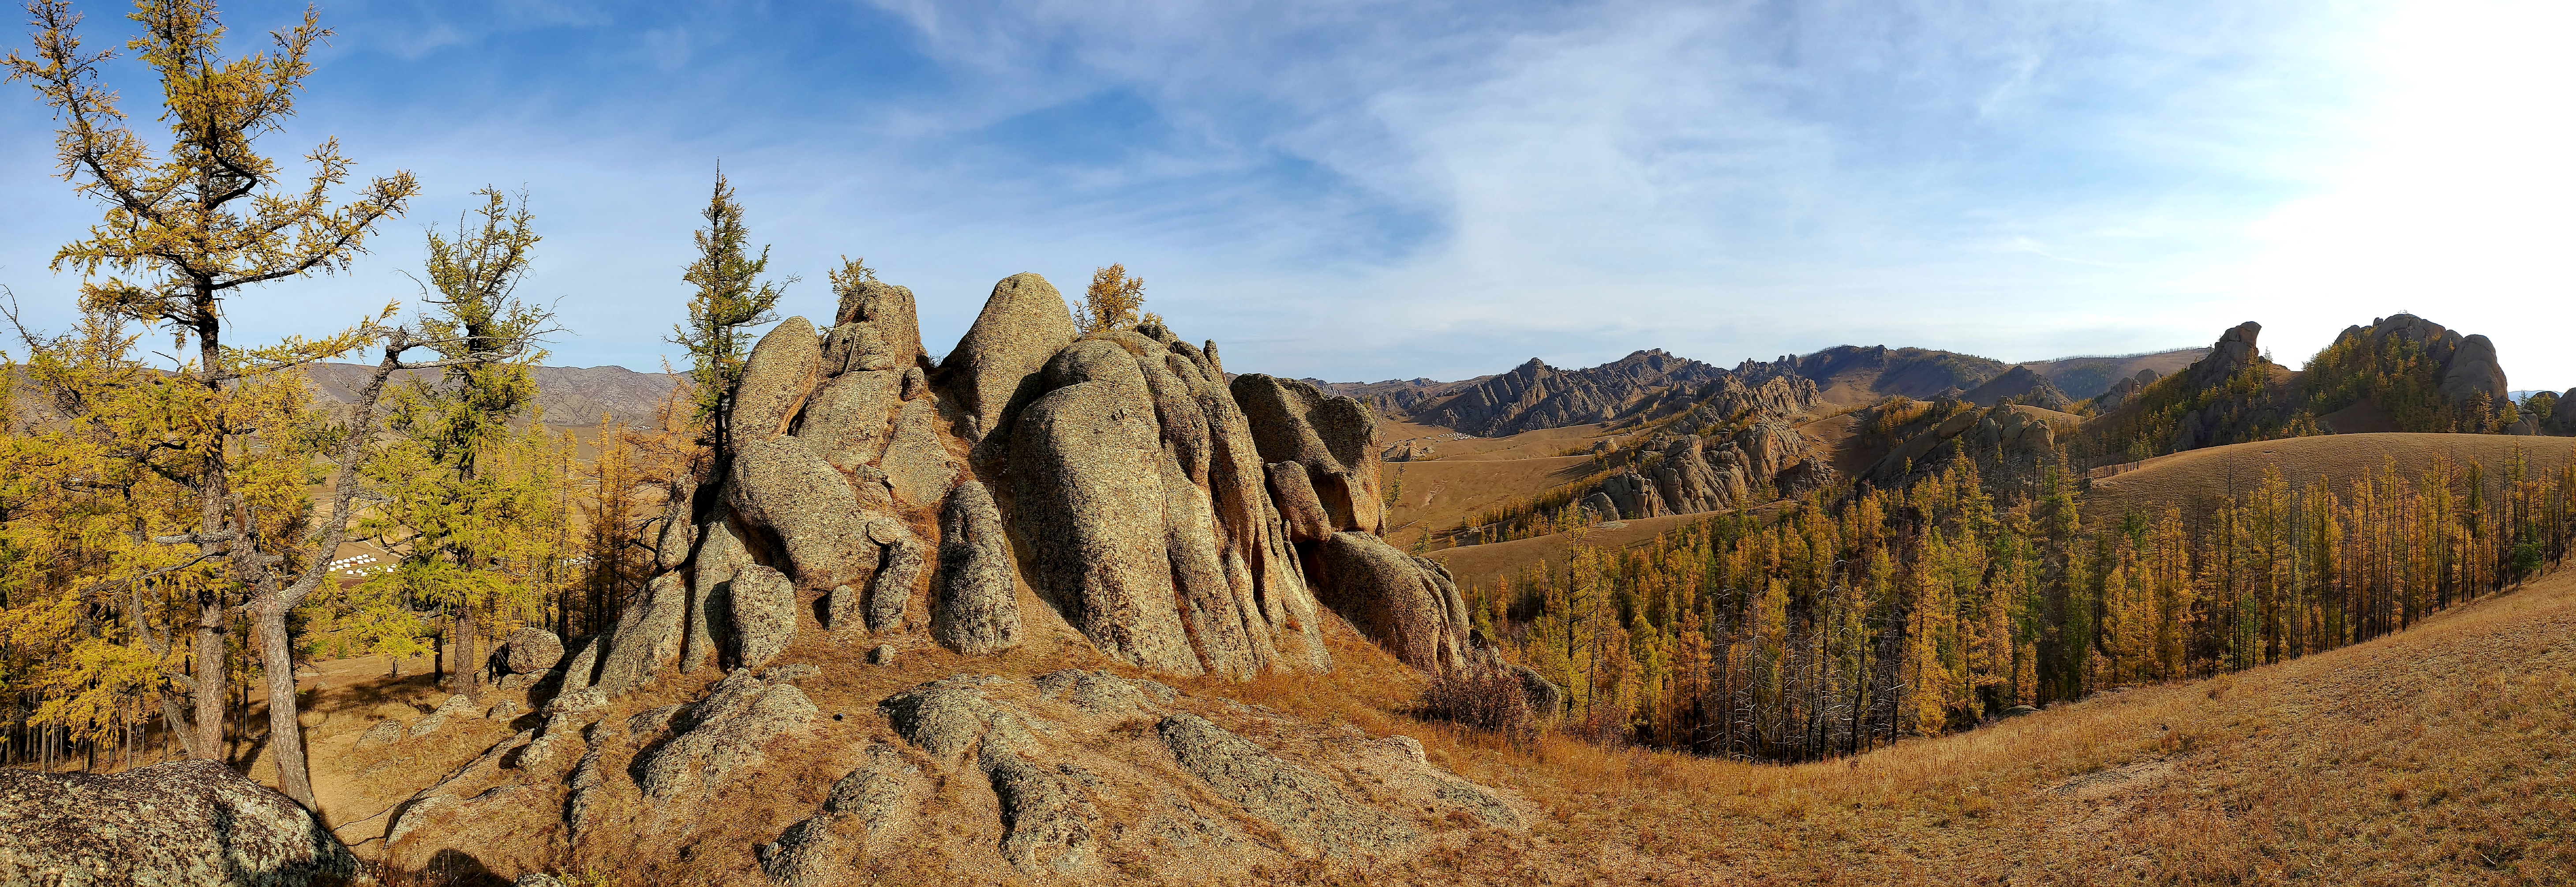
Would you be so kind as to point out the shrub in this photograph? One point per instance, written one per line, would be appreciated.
(1491, 700)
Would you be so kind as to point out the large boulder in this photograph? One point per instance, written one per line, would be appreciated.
(887, 309)
(1407, 604)
(763, 604)
(974, 605)
(782, 487)
(532, 650)
(193, 822)
(1022, 326)
(646, 641)
(782, 369)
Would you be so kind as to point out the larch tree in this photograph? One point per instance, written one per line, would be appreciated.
(185, 229)
(730, 300)
(468, 502)
(1111, 302)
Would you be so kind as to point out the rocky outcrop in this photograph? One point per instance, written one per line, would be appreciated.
(2009, 433)
(1302, 804)
(194, 822)
(1633, 495)
(2019, 385)
(2122, 391)
(1407, 604)
(974, 605)
(1022, 326)
(2464, 367)
(1138, 494)
(726, 730)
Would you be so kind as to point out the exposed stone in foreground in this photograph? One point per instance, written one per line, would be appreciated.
(726, 730)
(818, 850)
(1302, 804)
(192, 822)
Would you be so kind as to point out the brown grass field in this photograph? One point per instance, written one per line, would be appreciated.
(2440, 755)
(2196, 478)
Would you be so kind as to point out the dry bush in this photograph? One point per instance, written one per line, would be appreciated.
(1492, 701)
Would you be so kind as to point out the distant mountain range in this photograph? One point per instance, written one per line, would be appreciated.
(1535, 395)
(568, 396)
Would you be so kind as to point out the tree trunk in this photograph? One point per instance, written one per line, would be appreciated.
(469, 660)
(210, 677)
(285, 731)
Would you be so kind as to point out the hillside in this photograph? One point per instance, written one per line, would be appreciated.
(2196, 478)
(2082, 378)
(2436, 755)
(1852, 375)
(569, 396)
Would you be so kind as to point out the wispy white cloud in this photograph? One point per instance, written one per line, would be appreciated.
(1365, 189)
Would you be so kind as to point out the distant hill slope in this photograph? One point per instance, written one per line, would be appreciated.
(568, 395)
(1535, 396)
(2196, 478)
(1394, 397)
(1853, 375)
(2082, 378)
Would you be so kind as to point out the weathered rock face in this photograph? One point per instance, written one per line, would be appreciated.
(974, 606)
(1303, 805)
(726, 730)
(194, 822)
(1022, 326)
(1633, 495)
(531, 650)
(1333, 438)
(775, 379)
(764, 614)
(1139, 494)
(1407, 604)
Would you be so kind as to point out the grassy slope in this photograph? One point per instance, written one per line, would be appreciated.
(2196, 477)
(2439, 755)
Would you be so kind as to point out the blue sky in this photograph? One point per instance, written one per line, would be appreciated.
(1360, 190)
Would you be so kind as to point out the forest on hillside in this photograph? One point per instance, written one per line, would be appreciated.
(1857, 619)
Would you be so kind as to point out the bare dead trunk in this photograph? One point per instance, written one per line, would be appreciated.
(285, 730)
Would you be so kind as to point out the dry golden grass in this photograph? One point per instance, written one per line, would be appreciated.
(1438, 494)
(2439, 755)
(2443, 754)
(2196, 478)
